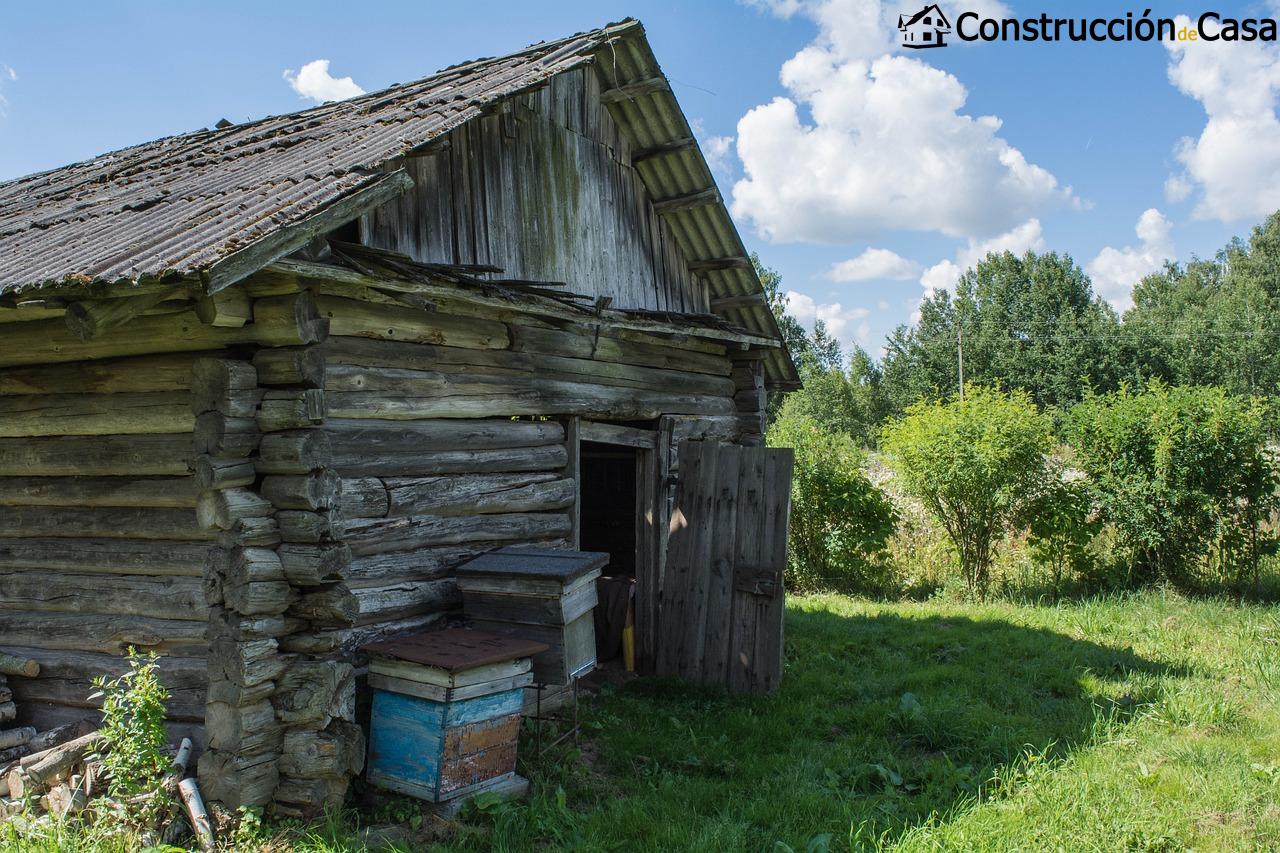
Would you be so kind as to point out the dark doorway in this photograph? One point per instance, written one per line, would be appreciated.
(608, 504)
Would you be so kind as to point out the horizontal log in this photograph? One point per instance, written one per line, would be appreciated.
(18, 665)
(478, 494)
(419, 564)
(105, 556)
(49, 341)
(614, 434)
(335, 752)
(228, 693)
(312, 693)
(101, 522)
(299, 366)
(230, 308)
(215, 472)
(168, 492)
(539, 397)
(65, 592)
(101, 455)
(168, 372)
(228, 624)
(288, 321)
(66, 678)
(260, 598)
(297, 452)
(308, 527)
(545, 458)
(230, 438)
(352, 318)
(105, 633)
(260, 532)
(92, 318)
(347, 640)
(371, 536)
(351, 439)
(363, 497)
(534, 339)
(339, 605)
(312, 565)
(223, 509)
(285, 409)
(95, 414)
(316, 490)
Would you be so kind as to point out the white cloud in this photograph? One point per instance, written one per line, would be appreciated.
(7, 75)
(883, 145)
(1027, 237)
(719, 152)
(314, 81)
(1235, 162)
(1116, 271)
(838, 319)
(874, 264)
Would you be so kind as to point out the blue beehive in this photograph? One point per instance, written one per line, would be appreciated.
(446, 713)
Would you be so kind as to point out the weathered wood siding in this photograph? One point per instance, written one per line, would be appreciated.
(544, 188)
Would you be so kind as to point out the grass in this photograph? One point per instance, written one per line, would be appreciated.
(1144, 722)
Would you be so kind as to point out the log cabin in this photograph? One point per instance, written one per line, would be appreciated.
(263, 387)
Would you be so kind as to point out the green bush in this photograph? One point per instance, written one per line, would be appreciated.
(840, 522)
(974, 463)
(1060, 527)
(134, 739)
(1184, 475)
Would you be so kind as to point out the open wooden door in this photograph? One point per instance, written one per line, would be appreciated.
(720, 617)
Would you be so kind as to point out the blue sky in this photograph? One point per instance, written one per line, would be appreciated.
(829, 140)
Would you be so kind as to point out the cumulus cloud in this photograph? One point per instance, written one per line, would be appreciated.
(838, 319)
(1116, 271)
(718, 150)
(867, 141)
(314, 81)
(1027, 237)
(1235, 162)
(875, 264)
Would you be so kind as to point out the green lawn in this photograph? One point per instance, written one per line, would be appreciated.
(1142, 723)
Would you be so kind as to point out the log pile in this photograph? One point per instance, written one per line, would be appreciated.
(60, 773)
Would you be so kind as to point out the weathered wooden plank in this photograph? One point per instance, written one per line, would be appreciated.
(167, 372)
(173, 492)
(371, 536)
(95, 414)
(615, 434)
(349, 317)
(101, 522)
(105, 556)
(66, 678)
(718, 592)
(351, 439)
(106, 633)
(479, 494)
(131, 595)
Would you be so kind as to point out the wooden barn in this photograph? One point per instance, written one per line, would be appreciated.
(264, 387)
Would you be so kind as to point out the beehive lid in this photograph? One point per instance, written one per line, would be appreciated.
(535, 563)
(456, 649)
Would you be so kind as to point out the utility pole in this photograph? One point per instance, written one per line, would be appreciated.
(960, 355)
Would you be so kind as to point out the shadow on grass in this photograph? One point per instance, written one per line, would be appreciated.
(882, 721)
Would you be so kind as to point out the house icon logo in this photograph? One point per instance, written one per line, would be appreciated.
(926, 28)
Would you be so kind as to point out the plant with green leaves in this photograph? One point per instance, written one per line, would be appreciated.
(974, 463)
(134, 741)
(1182, 472)
(840, 521)
(1060, 525)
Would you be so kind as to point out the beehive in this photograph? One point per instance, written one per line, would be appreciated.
(541, 594)
(446, 712)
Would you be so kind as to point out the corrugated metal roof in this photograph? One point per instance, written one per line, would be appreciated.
(182, 204)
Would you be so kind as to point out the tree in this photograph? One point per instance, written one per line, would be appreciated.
(1030, 322)
(840, 522)
(1180, 471)
(974, 463)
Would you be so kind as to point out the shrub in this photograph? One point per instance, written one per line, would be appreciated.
(1060, 526)
(1184, 475)
(973, 463)
(134, 740)
(840, 522)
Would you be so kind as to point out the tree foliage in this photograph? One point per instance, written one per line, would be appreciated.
(974, 463)
(1031, 323)
(840, 522)
(1180, 472)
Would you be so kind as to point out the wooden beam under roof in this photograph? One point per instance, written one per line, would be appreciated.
(739, 262)
(628, 91)
(701, 198)
(747, 300)
(675, 146)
